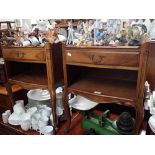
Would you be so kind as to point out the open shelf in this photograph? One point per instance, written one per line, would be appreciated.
(29, 80)
(106, 88)
(14, 87)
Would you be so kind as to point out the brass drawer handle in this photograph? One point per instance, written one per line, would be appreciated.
(20, 55)
(96, 59)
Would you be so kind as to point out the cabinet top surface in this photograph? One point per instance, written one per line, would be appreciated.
(26, 47)
(104, 47)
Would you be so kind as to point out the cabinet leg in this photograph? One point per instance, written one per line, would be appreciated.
(10, 94)
(139, 118)
(53, 100)
(67, 111)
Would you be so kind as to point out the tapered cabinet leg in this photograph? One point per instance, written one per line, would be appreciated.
(139, 118)
(67, 111)
(53, 100)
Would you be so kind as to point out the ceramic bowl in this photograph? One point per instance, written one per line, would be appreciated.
(82, 103)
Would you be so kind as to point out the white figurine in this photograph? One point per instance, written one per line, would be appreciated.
(70, 38)
(42, 25)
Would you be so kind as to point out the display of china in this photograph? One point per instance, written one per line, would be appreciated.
(19, 107)
(38, 97)
(47, 130)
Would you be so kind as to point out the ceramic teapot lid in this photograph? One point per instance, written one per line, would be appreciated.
(38, 94)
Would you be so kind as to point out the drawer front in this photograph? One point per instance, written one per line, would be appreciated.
(100, 57)
(22, 54)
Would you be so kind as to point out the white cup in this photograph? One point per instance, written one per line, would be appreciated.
(25, 125)
(19, 107)
(43, 122)
(25, 117)
(32, 110)
(5, 117)
(20, 103)
(26, 43)
(35, 127)
(46, 112)
(47, 130)
(8, 112)
(59, 111)
(37, 116)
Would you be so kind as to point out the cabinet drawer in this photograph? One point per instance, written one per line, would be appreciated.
(24, 54)
(102, 57)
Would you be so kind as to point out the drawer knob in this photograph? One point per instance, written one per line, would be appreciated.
(20, 55)
(96, 59)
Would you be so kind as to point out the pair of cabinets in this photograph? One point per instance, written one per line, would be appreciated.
(102, 74)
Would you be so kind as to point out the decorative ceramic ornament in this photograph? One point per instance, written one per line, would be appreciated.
(70, 33)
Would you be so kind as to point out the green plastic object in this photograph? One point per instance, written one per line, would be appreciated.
(101, 125)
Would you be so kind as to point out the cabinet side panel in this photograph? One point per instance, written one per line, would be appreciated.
(150, 74)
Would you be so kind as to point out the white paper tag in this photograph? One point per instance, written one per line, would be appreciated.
(97, 92)
(69, 54)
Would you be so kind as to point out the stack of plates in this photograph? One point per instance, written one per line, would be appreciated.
(82, 103)
(151, 123)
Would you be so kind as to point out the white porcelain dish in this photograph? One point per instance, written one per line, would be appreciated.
(152, 121)
(82, 103)
(38, 94)
(151, 127)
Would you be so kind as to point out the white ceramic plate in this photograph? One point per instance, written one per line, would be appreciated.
(151, 127)
(152, 121)
(82, 103)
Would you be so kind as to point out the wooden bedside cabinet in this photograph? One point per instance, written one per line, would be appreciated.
(106, 75)
(36, 67)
